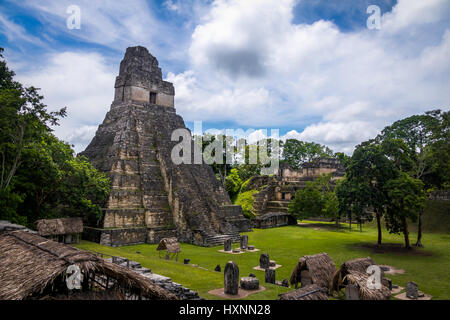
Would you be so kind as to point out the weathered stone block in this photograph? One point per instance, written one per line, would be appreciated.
(231, 278)
(244, 242)
(105, 239)
(264, 261)
(249, 283)
(227, 245)
(412, 290)
(270, 276)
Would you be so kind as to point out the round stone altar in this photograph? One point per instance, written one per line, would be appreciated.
(249, 283)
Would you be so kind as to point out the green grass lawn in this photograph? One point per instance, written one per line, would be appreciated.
(428, 267)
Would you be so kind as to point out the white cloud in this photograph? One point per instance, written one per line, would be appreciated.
(339, 136)
(169, 4)
(81, 82)
(250, 64)
(13, 31)
(114, 24)
(407, 14)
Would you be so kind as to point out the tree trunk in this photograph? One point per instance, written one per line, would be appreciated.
(16, 162)
(350, 224)
(379, 227)
(406, 232)
(419, 231)
(224, 177)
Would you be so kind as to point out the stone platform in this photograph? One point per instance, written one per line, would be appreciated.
(241, 252)
(273, 268)
(241, 293)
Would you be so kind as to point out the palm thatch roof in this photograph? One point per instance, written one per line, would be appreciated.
(360, 264)
(53, 227)
(354, 272)
(321, 270)
(170, 244)
(310, 292)
(31, 264)
(365, 293)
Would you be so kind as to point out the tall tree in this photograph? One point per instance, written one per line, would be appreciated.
(39, 176)
(406, 199)
(317, 199)
(370, 169)
(353, 198)
(296, 152)
(214, 148)
(420, 133)
(23, 119)
(440, 154)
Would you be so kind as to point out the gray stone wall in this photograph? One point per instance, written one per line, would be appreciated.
(115, 237)
(273, 220)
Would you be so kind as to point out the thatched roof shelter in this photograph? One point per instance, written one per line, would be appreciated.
(319, 268)
(170, 244)
(33, 267)
(365, 293)
(354, 272)
(53, 227)
(359, 265)
(311, 292)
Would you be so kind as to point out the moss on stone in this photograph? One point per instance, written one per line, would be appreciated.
(245, 200)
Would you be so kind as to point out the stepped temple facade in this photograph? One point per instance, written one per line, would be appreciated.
(270, 204)
(151, 197)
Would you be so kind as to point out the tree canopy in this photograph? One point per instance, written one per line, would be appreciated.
(40, 176)
(296, 152)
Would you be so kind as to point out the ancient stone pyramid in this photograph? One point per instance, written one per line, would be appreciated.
(151, 197)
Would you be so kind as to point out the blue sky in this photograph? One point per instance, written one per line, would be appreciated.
(310, 68)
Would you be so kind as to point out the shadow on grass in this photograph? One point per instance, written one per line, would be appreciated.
(395, 248)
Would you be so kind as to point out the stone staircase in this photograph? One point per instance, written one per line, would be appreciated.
(218, 240)
(158, 217)
(162, 281)
(277, 206)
